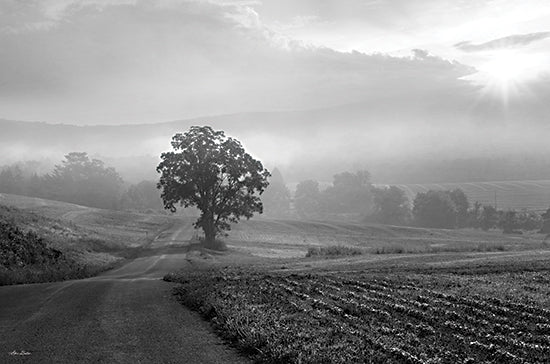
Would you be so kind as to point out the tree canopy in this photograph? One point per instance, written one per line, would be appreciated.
(276, 198)
(435, 209)
(213, 172)
(85, 181)
(391, 206)
(349, 193)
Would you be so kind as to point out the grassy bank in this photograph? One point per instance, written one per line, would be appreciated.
(45, 241)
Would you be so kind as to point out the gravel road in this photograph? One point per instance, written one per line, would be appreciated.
(123, 316)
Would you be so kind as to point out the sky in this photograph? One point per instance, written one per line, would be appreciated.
(94, 62)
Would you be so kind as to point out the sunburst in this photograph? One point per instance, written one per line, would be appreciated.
(506, 74)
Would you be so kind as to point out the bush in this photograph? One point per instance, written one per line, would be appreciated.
(19, 249)
(333, 251)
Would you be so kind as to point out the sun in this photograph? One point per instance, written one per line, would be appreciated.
(505, 74)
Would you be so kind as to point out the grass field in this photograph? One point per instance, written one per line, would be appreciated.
(289, 238)
(516, 195)
(91, 239)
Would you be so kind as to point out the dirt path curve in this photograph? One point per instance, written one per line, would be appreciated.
(124, 316)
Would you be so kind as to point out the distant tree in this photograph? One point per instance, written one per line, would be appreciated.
(214, 173)
(142, 196)
(529, 220)
(307, 199)
(508, 221)
(85, 181)
(391, 206)
(474, 215)
(349, 193)
(11, 180)
(462, 205)
(545, 228)
(35, 186)
(488, 218)
(435, 209)
(276, 198)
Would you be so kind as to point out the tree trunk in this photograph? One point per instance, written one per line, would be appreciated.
(209, 228)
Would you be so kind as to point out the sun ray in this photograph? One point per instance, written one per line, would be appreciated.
(505, 75)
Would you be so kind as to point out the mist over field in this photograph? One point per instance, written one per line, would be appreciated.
(320, 181)
(403, 148)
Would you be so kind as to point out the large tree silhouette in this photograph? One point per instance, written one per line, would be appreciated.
(214, 173)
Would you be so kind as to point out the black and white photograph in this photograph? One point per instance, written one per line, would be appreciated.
(275, 181)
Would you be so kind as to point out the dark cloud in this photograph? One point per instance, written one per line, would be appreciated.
(511, 41)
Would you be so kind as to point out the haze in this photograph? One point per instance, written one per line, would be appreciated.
(312, 87)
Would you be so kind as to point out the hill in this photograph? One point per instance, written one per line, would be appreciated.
(89, 240)
(406, 147)
(506, 195)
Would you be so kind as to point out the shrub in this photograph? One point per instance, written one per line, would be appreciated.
(333, 250)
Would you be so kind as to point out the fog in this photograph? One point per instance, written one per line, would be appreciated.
(403, 94)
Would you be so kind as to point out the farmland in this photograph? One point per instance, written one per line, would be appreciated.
(516, 195)
(292, 239)
(342, 316)
(411, 295)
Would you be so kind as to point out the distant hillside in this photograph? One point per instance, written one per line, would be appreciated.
(515, 195)
(414, 143)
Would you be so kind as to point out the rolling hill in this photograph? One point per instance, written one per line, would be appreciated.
(515, 195)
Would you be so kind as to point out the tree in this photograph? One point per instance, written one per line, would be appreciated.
(214, 173)
(85, 181)
(391, 206)
(508, 222)
(142, 196)
(349, 193)
(12, 180)
(307, 199)
(474, 215)
(462, 205)
(545, 229)
(435, 209)
(276, 198)
(488, 218)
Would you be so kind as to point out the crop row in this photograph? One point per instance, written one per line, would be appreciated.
(365, 318)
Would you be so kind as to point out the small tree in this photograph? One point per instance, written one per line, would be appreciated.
(85, 181)
(214, 173)
(462, 205)
(307, 199)
(508, 221)
(391, 206)
(435, 209)
(349, 193)
(276, 198)
(488, 218)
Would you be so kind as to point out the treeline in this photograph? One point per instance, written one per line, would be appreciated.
(451, 209)
(353, 197)
(349, 195)
(81, 180)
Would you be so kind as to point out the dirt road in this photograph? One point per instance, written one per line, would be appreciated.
(123, 316)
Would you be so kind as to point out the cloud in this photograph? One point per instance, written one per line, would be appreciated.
(138, 61)
(511, 41)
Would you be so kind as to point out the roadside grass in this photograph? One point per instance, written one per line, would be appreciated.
(91, 240)
(51, 272)
(374, 317)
